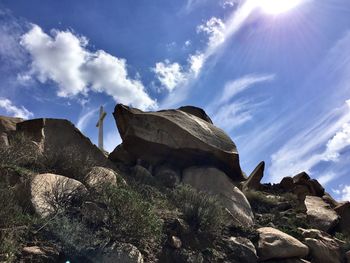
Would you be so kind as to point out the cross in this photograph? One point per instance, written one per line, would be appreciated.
(99, 125)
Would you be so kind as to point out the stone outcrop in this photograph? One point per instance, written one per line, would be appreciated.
(274, 244)
(198, 112)
(343, 210)
(302, 185)
(323, 248)
(7, 125)
(178, 137)
(47, 193)
(253, 181)
(120, 155)
(319, 214)
(169, 176)
(216, 182)
(59, 139)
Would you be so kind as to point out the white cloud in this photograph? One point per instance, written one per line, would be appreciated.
(169, 74)
(63, 58)
(196, 63)
(343, 192)
(85, 118)
(11, 109)
(215, 29)
(188, 43)
(335, 145)
(237, 86)
(318, 142)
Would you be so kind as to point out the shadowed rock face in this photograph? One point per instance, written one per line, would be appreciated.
(180, 137)
(7, 125)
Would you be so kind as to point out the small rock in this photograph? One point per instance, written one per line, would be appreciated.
(175, 242)
(241, 250)
(123, 253)
(41, 254)
(274, 244)
(320, 214)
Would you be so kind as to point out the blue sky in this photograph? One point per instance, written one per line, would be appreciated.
(278, 84)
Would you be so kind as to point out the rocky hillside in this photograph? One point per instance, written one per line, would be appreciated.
(173, 191)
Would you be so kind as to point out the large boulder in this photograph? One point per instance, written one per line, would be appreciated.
(274, 244)
(48, 193)
(216, 182)
(323, 248)
(343, 210)
(178, 137)
(253, 181)
(7, 125)
(319, 214)
(64, 145)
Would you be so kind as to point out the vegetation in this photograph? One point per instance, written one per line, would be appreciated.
(202, 211)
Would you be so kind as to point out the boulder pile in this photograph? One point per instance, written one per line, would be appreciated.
(163, 153)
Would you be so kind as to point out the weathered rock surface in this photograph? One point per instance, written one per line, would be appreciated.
(240, 249)
(216, 182)
(253, 181)
(168, 175)
(124, 253)
(320, 214)
(198, 112)
(119, 154)
(274, 244)
(288, 260)
(343, 210)
(323, 249)
(178, 137)
(46, 193)
(98, 177)
(7, 125)
(59, 138)
(314, 187)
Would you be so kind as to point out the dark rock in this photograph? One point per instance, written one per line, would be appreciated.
(7, 126)
(198, 112)
(121, 155)
(178, 137)
(301, 178)
(343, 210)
(240, 249)
(287, 184)
(330, 200)
(169, 176)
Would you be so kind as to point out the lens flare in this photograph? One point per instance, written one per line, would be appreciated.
(275, 7)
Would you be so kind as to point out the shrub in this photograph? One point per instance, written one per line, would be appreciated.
(14, 225)
(129, 216)
(259, 202)
(202, 211)
(21, 151)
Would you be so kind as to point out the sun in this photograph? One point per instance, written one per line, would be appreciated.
(275, 7)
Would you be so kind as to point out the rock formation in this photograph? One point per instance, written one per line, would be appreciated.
(177, 137)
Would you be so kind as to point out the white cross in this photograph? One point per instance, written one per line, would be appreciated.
(99, 125)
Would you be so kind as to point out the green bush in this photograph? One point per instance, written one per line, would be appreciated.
(129, 216)
(202, 211)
